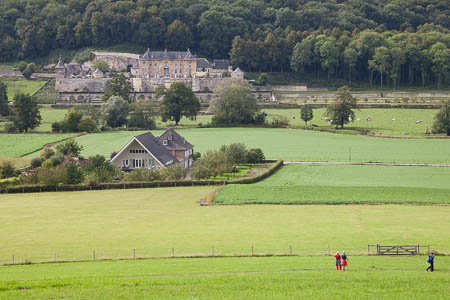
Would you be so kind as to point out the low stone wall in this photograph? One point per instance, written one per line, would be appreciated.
(290, 88)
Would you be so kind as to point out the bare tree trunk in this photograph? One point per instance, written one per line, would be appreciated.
(381, 80)
(350, 75)
(422, 69)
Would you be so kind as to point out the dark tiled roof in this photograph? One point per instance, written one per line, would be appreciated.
(60, 64)
(174, 140)
(152, 144)
(203, 63)
(221, 64)
(168, 55)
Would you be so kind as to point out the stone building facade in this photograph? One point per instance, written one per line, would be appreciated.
(78, 84)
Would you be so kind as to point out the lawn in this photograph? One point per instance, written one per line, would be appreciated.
(229, 278)
(291, 144)
(381, 123)
(17, 145)
(49, 116)
(23, 86)
(344, 184)
(153, 221)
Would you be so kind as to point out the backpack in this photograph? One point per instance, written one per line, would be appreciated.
(344, 256)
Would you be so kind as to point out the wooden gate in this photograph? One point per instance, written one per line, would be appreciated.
(397, 249)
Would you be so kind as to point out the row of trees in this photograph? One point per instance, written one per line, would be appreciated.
(414, 58)
(225, 160)
(32, 28)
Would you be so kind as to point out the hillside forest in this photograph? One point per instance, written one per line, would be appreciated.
(395, 42)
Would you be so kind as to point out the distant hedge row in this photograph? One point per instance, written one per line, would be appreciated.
(259, 177)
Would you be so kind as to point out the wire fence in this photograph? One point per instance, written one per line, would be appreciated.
(173, 252)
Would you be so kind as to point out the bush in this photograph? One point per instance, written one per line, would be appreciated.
(10, 128)
(87, 124)
(11, 181)
(74, 174)
(47, 153)
(142, 175)
(173, 172)
(47, 164)
(196, 155)
(280, 121)
(69, 147)
(7, 170)
(255, 156)
(57, 126)
(57, 159)
(37, 162)
(99, 175)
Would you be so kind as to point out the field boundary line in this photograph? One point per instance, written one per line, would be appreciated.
(365, 163)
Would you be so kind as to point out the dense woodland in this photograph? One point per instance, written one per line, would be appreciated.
(405, 41)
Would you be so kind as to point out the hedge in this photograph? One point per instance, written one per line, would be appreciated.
(260, 177)
(106, 186)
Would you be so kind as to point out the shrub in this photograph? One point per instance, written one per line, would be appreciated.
(173, 172)
(74, 174)
(96, 161)
(37, 162)
(11, 181)
(10, 128)
(142, 175)
(87, 124)
(47, 164)
(47, 153)
(57, 126)
(280, 121)
(57, 159)
(98, 175)
(69, 147)
(7, 170)
(255, 156)
(196, 155)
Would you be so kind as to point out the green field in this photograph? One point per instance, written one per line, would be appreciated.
(230, 278)
(381, 123)
(49, 116)
(23, 86)
(17, 145)
(153, 221)
(291, 144)
(344, 184)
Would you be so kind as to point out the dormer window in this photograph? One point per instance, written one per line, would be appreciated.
(165, 142)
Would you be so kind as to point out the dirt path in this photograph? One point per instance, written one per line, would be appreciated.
(364, 163)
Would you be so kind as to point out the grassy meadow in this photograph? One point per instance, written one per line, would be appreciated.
(229, 278)
(17, 145)
(382, 120)
(153, 221)
(23, 86)
(291, 144)
(344, 184)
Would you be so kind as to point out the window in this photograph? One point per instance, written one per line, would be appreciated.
(165, 142)
(124, 162)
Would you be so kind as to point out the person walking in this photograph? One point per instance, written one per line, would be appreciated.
(343, 260)
(430, 260)
(337, 256)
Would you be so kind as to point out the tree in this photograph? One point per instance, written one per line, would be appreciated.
(26, 113)
(141, 113)
(350, 58)
(440, 55)
(4, 103)
(118, 85)
(255, 156)
(179, 100)
(71, 120)
(114, 112)
(101, 65)
(340, 112)
(29, 70)
(381, 61)
(306, 113)
(69, 147)
(235, 104)
(178, 36)
(236, 153)
(442, 120)
(87, 124)
(7, 170)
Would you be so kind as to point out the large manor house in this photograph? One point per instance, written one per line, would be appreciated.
(80, 84)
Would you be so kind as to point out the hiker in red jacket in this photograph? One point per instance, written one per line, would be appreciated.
(343, 260)
(338, 261)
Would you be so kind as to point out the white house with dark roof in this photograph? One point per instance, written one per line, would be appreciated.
(150, 152)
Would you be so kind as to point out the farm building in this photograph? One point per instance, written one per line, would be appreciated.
(147, 151)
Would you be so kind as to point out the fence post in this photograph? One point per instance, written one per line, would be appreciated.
(54, 256)
(212, 251)
(173, 252)
(134, 253)
(378, 249)
(329, 249)
(93, 252)
(368, 249)
(252, 250)
(290, 250)
(418, 249)
(428, 249)
(13, 259)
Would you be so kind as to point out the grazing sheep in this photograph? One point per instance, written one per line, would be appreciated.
(418, 122)
(368, 119)
(358, 119)
(324, 118)
(393, 119)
